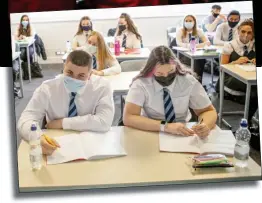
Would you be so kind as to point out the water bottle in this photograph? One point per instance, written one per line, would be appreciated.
(35, 153)
(68, 46)
(117, 46)
(193, 44)
(241, 152)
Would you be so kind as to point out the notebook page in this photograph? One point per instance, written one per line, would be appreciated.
(247, 67)
(70, 150)
(102, 145)
(222, 142)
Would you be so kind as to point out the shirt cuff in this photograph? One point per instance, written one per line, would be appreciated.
(66, 124)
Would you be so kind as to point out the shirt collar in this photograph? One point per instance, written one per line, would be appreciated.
(241, 44)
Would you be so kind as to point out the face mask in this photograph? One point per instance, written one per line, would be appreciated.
(189, 25)
(73, 85)
(92, 49)
(25, 23)
(215, 14)
(86, 28)
(122, 27)
(166, 81)
(232, 24)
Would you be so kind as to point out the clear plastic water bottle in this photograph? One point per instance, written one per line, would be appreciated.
(68, 46)
(117, 46)
(242, 148)
(35, 153)
(193, 44)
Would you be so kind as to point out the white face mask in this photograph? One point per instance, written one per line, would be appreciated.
(189, 25)
(92, 49)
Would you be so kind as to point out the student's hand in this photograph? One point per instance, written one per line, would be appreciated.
(20, 37)
(241, 60)
(178, 129)
(222, 17)
(55, 124)
(48, 149)
(201, 130)
(253, 61)
(207, 43)
(96, 72)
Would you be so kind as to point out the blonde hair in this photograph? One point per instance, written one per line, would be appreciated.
(103, 52)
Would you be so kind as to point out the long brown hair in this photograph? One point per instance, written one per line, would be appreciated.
(80, 30)
(194, 33)
(130, 26)
(21, 31)
(162, 55)
(103, 52)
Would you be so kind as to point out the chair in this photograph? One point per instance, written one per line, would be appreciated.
(170, 30)
(132, 65)
(111, 32)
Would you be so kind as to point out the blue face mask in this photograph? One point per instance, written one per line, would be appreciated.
(73, 85)
(189, 25)
(25, 23)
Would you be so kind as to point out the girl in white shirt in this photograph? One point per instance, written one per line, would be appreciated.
(127, 32)
(104, 63)
(183, 38)
(85, 27)
(161, 95)
(24, 31)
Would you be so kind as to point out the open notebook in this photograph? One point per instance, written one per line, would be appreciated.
(88, 146)
(218, 141)
(247, 67)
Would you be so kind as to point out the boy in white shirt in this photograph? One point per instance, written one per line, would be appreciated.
(76, 100)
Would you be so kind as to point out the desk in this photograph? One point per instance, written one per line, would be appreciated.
(26, 44)
(123, 57)
(120, 84)
(249, 78)
(16, 56)
(144, 165)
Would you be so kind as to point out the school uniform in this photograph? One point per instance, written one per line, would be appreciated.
(94, 106)
(129, 40)
(81, 40)
(210, 23)
(185, 92)
(224, 34)
(185, 42)
(112, 67)
(233, 86)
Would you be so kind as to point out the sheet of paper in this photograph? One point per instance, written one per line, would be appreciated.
(247, 67)
(70, 150)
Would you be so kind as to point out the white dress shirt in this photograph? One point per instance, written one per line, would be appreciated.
(185, 92)
(222, 34)
(210, 23)
(237, 46)
(113, 67)
(184, 41)
(131, 40)
(94, 102)
(80, 40)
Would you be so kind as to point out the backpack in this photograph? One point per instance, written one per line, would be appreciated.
(36, 71)
(207, 67)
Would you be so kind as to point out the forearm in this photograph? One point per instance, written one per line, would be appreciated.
(211, 27)
(142, 123)
(115, 69)
(209, 118)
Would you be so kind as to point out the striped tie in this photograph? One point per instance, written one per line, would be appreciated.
(245, 51)
(124, 41)
(189, 36)
(230, 36)
(72, 106)
(94, 62)
(169, 108)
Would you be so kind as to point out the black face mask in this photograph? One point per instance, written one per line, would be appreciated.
(122, 27)
(232, 24)
(166, 81)
(215, 14)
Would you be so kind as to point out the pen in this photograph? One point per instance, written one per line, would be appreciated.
(50, 141)
(200, 121)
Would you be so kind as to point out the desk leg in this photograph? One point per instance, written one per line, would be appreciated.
(248, 91)
(35, 55)
(212, 73)
(121, 105)
(192, 64)
(21, 78)
(28, 63)
(221, 98)
(177, 54)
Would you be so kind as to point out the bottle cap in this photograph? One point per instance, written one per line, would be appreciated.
(33, 127)
(243, 122)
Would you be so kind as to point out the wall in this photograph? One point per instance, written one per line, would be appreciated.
(55, 28)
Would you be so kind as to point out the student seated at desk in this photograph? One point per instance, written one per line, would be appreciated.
(75, 100)
(24, 30)
(227, 31)
(183, 38)
(241, 51)
(161, 95)
(127, 32)
(104, 63)
(85, 27)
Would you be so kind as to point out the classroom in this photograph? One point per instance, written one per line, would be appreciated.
(134, 45)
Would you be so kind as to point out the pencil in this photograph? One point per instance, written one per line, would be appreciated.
(50, 141)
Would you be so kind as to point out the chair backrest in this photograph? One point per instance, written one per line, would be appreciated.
(111, 32)
(132, 65)
(169, 30)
